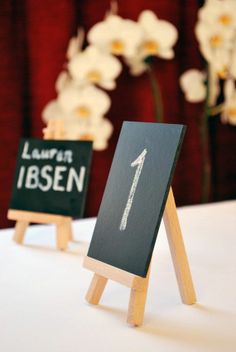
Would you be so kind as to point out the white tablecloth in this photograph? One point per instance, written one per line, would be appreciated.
(42, 305)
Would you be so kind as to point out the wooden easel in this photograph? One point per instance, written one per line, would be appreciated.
(139, 285)
(54, 130)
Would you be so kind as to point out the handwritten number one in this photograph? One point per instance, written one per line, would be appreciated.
(137, 162)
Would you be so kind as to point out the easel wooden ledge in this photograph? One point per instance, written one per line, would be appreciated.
(139, 285)
(55, 131)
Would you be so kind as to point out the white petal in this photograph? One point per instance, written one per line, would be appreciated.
(137, 65)
(215, 42)
(164, 32)
(160, 32)
(100, 144)
(221, 61)
(166, 54)
(93, 60)
(192, 84)
(102, 32)
(52, 111)
(109, 85)
(93, 98)
(232, 65)
(102, 133)
(229, 88)
(73, 48)
(115, 28)
(216, 12)
(168, 33)
(62, 81)
(147, 17)
(75, 44)
(191, 77)
(197, 95)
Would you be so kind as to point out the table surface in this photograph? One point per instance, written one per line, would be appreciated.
(42, 305)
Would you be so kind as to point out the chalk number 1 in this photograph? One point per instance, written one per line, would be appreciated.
(139, 163)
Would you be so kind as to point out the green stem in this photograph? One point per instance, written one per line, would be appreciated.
(216, 110)
(156, 93)
(206, 162)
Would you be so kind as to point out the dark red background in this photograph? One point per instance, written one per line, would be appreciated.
(33, 40)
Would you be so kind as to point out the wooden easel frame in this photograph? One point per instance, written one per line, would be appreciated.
(23, 219)
(139, 285)
(55, 131)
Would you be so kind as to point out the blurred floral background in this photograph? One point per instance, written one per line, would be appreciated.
(59, 56)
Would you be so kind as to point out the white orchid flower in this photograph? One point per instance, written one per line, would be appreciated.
(96, 67)
(215, 45)
(116, 35)
(192, 84)
(221, 13)
(86, 102)
(229, 109)
(159, 36)
(221, 61)
(52, 111)
(98, 132)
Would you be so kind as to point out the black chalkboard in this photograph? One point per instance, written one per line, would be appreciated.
(135, 195)
(51, 176)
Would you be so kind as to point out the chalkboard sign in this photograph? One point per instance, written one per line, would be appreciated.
(135, 195)
(52, 176)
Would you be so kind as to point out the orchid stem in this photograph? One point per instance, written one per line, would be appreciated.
(216, 110)
(206, 165)
(156, 93)
(206, 162)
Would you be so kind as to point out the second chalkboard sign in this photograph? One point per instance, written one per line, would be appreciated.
(52, 176)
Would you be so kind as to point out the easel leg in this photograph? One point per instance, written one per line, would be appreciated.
(71, 238)
(70, 232)
(137, 303)
(96, 289)
(20, 229)
(63, 232)
(178, 253)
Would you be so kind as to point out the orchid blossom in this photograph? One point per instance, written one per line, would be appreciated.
(192, 84)
(216, 34)
(95, 67)
(81, 102)
(116, 35)
(158, 39)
